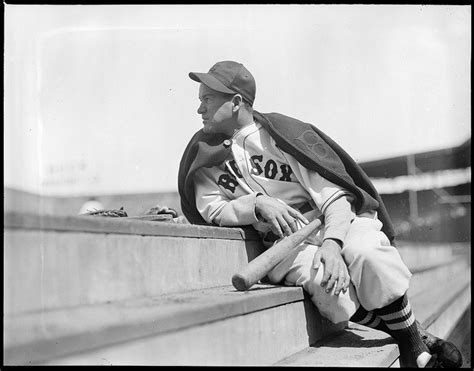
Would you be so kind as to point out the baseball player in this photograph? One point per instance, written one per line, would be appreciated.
(276, 174)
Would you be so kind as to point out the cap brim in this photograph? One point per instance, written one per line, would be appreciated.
(210, 81)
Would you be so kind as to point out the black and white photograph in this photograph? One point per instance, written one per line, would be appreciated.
(262, 185)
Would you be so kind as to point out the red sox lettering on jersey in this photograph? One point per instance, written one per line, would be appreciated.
(269, 169)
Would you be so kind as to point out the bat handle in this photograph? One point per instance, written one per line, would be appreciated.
(242, 282)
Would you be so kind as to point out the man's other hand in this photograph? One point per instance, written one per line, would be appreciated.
(335, 269)
(281, 216)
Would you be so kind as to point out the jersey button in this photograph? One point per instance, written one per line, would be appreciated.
(227, 143)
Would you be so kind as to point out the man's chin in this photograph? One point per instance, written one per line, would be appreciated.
(207, 129)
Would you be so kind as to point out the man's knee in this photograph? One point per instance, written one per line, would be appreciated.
(336, 308)
(360, 246)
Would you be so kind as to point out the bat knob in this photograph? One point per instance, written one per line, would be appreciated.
(239, 282)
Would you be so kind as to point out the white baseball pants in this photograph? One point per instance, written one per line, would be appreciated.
(378, 274)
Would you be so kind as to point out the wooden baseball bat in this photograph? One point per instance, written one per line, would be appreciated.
(263, 263)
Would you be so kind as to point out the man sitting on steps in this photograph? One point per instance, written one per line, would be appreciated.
(277, 173)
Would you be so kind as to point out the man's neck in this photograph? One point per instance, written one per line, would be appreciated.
(245, 119)
(242, 128)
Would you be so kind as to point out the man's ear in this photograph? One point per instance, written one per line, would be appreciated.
(237, 102)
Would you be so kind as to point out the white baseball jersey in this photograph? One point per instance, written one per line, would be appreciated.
(225, 194)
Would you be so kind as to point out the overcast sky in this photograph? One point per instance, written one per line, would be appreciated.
(98, 98)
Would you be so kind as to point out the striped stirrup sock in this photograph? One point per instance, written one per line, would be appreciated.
(368, 318)
(400, 321)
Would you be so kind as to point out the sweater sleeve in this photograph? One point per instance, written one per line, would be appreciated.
(334, 202)
(216, 207)
(338, 217)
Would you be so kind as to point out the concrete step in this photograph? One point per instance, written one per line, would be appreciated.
(81, 260)
(217, 326)
(438, 310)
(63, 262)
(424, 276)
(94, 290)
(356, 346)
(419, 255)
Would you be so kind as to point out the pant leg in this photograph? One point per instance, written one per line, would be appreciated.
(376, 268)
(297, 270)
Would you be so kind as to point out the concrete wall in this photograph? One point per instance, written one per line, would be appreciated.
(70, 261)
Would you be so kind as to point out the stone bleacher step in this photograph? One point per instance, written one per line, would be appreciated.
(120, 332)
(438, 309)
(418, 255)
(447, 270)
(357, 346)
(127, 305)
(86, 260)
(215, 326)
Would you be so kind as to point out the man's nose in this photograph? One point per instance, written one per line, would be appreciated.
(201, 109)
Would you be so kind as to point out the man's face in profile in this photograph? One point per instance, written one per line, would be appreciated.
(216, 111)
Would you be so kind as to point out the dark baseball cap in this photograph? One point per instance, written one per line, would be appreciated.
(228, 77)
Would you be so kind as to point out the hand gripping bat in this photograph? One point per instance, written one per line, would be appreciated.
(263, 263)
